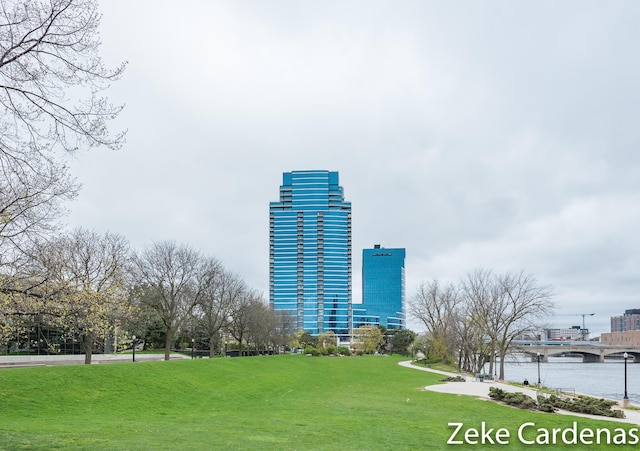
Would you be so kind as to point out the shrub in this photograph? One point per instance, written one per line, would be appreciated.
(343, 350)
(580, 404)
(517, 399)
(312, 351)
(453, 379)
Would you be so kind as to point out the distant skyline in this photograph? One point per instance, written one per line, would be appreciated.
(496, 135)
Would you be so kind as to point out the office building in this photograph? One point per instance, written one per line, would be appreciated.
(383, 288)
(310, 252)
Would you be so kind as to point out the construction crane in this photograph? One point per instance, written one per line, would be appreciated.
(584, 335)
(584, 329)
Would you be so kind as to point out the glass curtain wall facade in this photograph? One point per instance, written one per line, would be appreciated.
(383, 286)
(310, 252)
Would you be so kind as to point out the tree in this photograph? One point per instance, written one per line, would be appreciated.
(261, 322)
(176, 278)
(516, 305)
(326, 339)
(241, 315)
(214, 306)
(285, 328)
(368, 338)
(401, 341)
(481, 316)
(51, 80)
(438, 309)
(305, 339)
(83, 282)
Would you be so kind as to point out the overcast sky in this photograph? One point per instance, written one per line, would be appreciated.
(497, 134)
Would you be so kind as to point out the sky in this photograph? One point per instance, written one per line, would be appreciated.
(497, 135)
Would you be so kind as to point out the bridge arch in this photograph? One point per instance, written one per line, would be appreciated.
(591, 353)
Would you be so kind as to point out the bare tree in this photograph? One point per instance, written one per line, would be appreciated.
(480, 296)
(261, 323)
(51, 80)
(177, 277)
(522, 306)
(480, 317)
(242, 315)
(438, 309)
(506, 306)
(215, 304)
(286, 324)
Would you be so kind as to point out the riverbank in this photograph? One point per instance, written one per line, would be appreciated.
(473, 387)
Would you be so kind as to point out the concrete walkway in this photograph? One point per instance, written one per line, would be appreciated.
(472, 387)
(15, 361)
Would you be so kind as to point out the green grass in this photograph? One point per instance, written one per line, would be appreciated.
(275, 402)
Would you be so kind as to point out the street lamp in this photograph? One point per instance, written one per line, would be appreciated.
(539, 370)
(625, 400)
(134, 348)
(193, 345)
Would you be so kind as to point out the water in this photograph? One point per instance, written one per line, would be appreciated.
(569, 374)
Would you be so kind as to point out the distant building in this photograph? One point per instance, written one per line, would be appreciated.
(629, 321)
(310, 252)
(383, 288)
(572, 333)
(629, 338)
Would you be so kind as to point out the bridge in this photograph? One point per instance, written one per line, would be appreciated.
(590, 351)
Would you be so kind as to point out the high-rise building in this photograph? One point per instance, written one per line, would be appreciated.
(310, 252)
(629, 321)
(383, 288)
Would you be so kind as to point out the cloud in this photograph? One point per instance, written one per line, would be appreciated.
(493, 134)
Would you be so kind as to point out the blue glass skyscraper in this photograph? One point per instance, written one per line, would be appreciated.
(383, 288)
(310, 252)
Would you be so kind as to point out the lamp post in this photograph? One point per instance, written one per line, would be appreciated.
(193, 345)
(134, 348)
(625, 400)
(539, 384)
(495, 365)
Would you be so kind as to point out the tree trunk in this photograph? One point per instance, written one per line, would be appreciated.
(212, 345)
(167, 344)
(87, 344)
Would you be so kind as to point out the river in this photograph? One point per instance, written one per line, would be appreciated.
(569, 374)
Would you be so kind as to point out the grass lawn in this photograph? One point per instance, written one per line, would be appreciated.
(288, 402)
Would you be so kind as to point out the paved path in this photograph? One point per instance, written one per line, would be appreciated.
(472, 387)
(13, 361)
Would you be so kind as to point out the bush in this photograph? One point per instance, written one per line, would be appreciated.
(589, 405)
(343, 350)
(453, 379)
(580, 404)
(312, 351)
(331, 349)
(517, 399)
